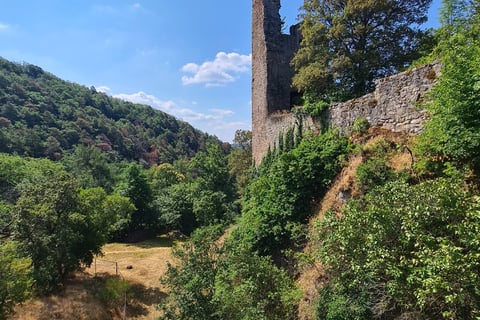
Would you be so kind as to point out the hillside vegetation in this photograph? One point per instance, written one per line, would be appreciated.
(79, 169)
(44, 116)
(365, 225)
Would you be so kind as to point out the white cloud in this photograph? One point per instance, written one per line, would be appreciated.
(223, 112)
(214, 122)
(166, 106)
(223, 69)
(136, 6)
(4, 27)
(103, 89)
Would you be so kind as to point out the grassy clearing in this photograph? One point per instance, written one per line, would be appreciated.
(83, 296)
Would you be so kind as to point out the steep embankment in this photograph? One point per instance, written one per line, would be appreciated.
(346, 185)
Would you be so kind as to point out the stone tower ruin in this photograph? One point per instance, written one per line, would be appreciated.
(272, 52)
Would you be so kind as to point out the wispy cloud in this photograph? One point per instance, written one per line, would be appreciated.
(136, 6)
(4, 27)
(117, 9)
(103, 89)
(214, 122)
(169, 107)
(223, 69)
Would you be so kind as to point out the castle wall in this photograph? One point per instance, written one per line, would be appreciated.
(393, 104)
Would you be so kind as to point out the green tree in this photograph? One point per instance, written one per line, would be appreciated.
(403, 252)
(452, 136)
(91, 166)
(251, 287)
(347, 45)
(108, 215)
(15, 277)
(136, 187)
(163, 176)
(48, 224)
(175, 207)
(56, 225)
(210, 170)
(240, 159)
(192, 280)
(284, 192)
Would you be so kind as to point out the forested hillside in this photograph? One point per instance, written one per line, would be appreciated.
(44, 116)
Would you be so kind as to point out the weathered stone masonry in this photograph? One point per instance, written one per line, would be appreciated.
(272, 52)
(393, 104)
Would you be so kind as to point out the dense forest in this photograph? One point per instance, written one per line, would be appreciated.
(44, 116)
(368, 224)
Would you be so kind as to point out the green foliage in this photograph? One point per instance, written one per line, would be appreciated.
(163, 176)
(48, 224)
(175, 207)
(314, 107)
(109, 215)
(248, 286)
(43, 116)
(114, 290)
(91, 166)
(136, 187)
(286, 189)
(192, 281)
(55, 223)
(453, 132)
(210, 169)
(360, 126)
(240, 159)
(203, 195)
(15, 277)
(375, 169)
(410, 251)
(213, 281)
(12, 171)
(374, 172)
(347, 45)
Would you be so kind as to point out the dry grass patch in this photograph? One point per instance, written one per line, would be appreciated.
(82, 296)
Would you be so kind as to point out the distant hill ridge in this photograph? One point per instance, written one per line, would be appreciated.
(44, 116)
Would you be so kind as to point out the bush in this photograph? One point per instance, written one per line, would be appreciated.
(405, 250)
(286, 189)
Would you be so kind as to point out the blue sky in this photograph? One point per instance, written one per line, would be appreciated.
(189, 58)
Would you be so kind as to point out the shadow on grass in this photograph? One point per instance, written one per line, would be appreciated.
(111, 290)
(156, 242)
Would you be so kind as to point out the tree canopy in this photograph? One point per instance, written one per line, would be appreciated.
(347, 45)
(44, 116)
